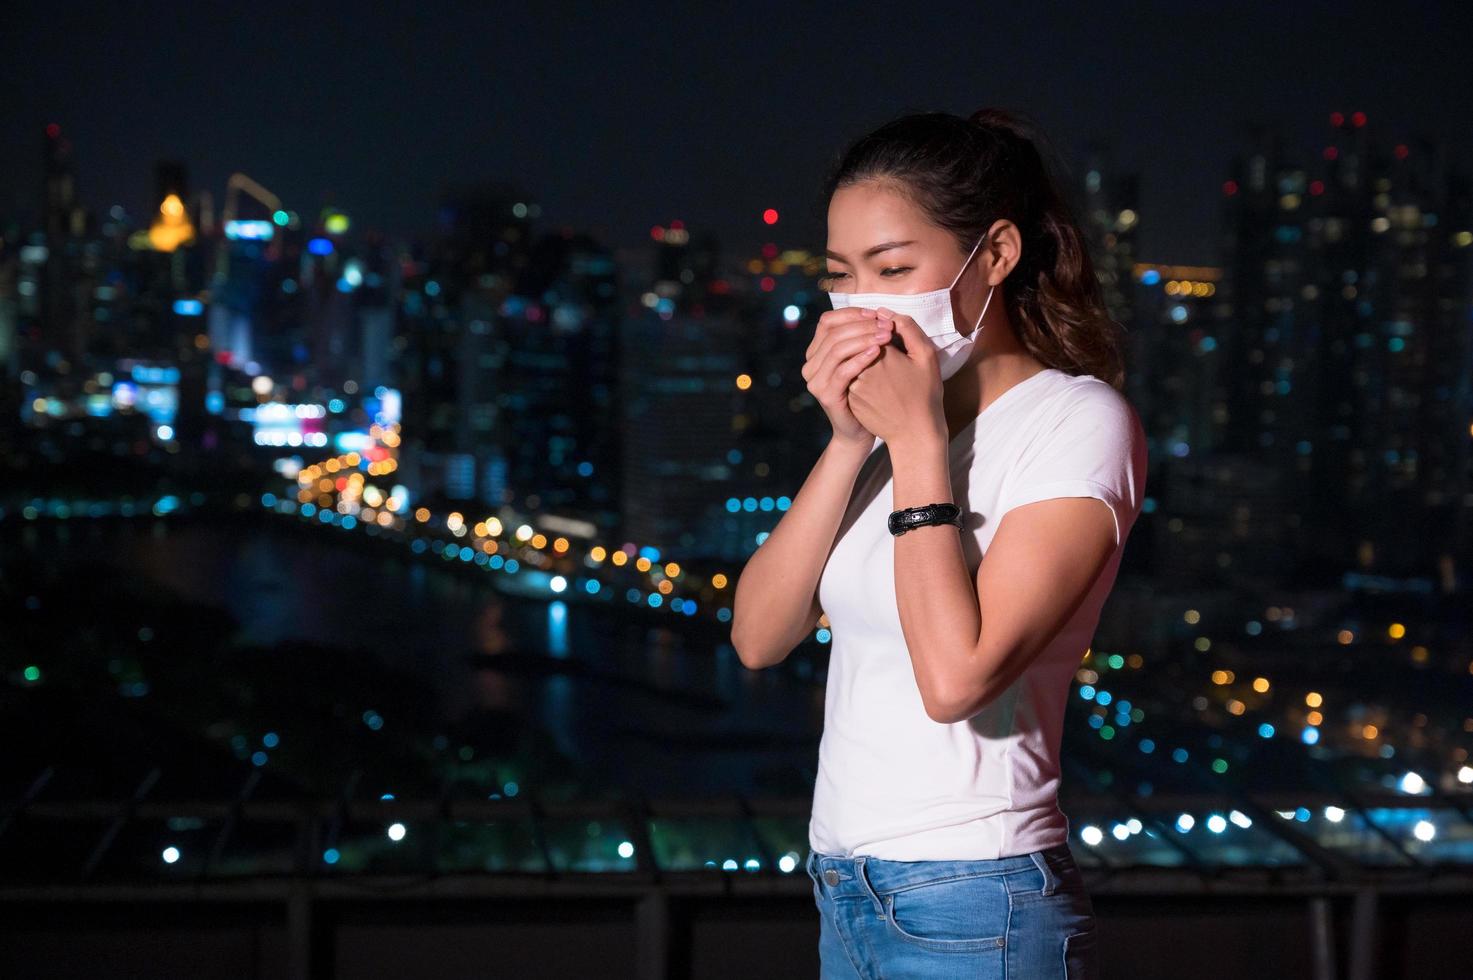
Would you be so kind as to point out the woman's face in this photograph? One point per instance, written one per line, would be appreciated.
(880, 242)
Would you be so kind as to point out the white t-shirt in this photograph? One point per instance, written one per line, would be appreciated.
(892, 782)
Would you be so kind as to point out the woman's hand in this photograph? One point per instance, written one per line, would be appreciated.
(844, 343)
(898, 394)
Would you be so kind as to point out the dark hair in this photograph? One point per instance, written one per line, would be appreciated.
(966, 174)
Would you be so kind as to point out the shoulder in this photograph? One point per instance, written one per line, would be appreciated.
(1073, 405)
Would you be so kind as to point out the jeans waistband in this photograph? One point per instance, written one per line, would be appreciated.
(866, 875)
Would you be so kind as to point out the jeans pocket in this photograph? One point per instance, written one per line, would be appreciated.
(1082, 955)
(963, 913)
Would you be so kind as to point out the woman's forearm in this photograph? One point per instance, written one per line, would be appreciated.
(933, 586)
(773, 605)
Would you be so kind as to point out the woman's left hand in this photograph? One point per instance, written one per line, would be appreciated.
(898, 396)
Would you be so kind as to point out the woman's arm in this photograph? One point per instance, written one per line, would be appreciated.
(776, 601)
(969, 641)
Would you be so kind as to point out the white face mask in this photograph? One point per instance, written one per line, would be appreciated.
(932, 312)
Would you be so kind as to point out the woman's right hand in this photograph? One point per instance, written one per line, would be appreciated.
(844, 344)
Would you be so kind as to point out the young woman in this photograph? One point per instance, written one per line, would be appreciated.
(969, 339)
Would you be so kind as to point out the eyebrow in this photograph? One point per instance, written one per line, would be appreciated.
(872, 250)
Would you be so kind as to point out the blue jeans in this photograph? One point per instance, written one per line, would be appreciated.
(1026, 917)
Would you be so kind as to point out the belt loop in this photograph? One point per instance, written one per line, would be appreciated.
(863, 876)
(1050, 880)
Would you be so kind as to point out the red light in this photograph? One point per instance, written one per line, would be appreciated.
(53, 130)
(1230, 187)
(769, 251)
(657, 233)
(719, 287)
(1316, 187)
(677, 224)
(1401, 151)
(770, 216)
(1337, 119)
(1358, 118)
(768, 284)
(1331, 153)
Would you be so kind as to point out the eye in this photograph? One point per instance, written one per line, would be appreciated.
(899, 268)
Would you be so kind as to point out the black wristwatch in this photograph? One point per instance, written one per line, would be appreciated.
(903, 520)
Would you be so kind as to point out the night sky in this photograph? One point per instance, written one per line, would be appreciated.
(629, 115)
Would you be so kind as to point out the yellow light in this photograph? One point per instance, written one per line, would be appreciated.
(1419, 654)
(422, 514)
(718, 581)
(1235, 707)
(560, 545)
(336, 224)
(1369, 732)
(664, 587)
(1191, 615)
(619, 558)
(1315, 718)
(672, 570)
(643, 564)
(1313, 699)
(171, 228)
(539, 540)
(744, 381)
(598, 553)
(1346, 637)
(480, 530)
(1260, 684)
(1396, 631)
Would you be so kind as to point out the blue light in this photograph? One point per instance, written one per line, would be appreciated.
(258, 758)
(331, 855)
(319, 246)
(733, 505)
(1087, 692)
(1178, 755)
(270, 740)
(823, 635)
(188, 307)
(1150, 277)
(1147, 746)
(591, 586)
(1103, 697)
(1310, 735)
(655, 599)
(1266, 730)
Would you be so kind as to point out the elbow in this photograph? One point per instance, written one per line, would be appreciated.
(750, 658)
(950, 707)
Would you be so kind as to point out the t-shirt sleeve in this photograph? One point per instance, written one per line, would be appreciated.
(1096, 448)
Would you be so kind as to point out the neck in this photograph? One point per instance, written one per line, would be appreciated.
(997, 363)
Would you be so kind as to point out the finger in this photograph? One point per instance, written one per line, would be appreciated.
(831, 320)
(841, 343)
(837, 351)
(914, 338)
(838, 376)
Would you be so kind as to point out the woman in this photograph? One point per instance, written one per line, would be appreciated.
(969, 339)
